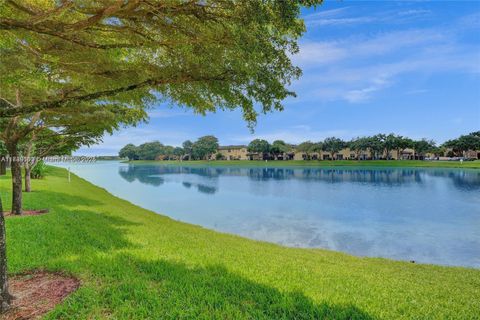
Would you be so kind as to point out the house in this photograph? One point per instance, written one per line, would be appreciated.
(233, 152)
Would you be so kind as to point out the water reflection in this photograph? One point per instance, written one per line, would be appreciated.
(463, 179)
(426, 215)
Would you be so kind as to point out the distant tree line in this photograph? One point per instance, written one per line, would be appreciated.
(202, 149)
(378, 146)
(463, 143)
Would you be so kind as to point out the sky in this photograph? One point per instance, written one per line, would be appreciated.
(411, 68)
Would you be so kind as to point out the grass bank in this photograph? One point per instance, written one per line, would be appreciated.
(135, 264)
(325, 163)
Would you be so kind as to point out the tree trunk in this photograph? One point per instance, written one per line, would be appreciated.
(3, 166)
(28, 177)
(5, 297)
(16, 168)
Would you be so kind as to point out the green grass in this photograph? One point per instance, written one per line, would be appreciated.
(135, 264)
(325, 163)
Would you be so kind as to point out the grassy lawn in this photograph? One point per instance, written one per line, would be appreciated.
(324, 163)
(135, 264)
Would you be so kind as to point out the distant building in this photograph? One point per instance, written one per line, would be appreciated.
(240, 152)
(233, 152)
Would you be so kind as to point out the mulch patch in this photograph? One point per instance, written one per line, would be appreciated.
(38, 292)
(26, 213)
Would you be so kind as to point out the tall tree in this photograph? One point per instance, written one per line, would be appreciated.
(464, 143)
(422, 146)
(306, 147)
(130, 151)
(376, 145)
(279, 147)
(402, 143)
(204, 147)
(187, 149)
(333, 145)
(390, 142)
(3, 159)
(259, 146)
(201, 54)
(359, 146)
(150, 150)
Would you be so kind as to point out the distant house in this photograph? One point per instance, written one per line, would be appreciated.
(234, 152)
(240, 152)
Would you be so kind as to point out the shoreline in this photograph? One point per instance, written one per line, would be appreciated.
(319, 163)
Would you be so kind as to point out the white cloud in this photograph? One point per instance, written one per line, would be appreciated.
(340, 21)
(314, 54)
(355, 69)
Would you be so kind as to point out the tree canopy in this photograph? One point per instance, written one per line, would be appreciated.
(259, 146)
(204, 147)
(204, 55)
(464, 142)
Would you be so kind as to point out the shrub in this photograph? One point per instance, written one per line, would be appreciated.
(219, 156)
(39, 170)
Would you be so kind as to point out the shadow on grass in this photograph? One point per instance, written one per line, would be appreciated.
(138, 289)
(69, 229)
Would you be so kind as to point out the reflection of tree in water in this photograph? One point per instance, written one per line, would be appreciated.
(462, 179)
(142, 174)
(206, 189)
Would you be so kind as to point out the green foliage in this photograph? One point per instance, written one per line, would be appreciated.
(39, 170)
(136, 264)
(219, 156)
(464, 143)
(150, 150)
(279, 147)
(3, 149)
(259, 146)
(121, 56)
(333, 145)
(204, 147)
(130, 152)
(423, 146)
(306, 147)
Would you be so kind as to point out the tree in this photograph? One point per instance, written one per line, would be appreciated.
(390, 142)
(150, 150)
(204, 147)
(279, 147)
(46, 142)
(333, 145)
(402, 143)
(178, 152)
(359, 145)
(82, 124)
(187, 148)
(130, 151)
(306, 148)
(464, 143)
(376, 145)
(259, 146)
(423, 146)
(3, 160)
(127, 54)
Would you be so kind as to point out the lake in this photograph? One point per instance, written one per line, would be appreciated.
(426, 215)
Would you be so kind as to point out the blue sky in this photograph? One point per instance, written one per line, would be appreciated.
(411, 68)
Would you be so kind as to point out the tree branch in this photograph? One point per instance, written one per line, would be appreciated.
(12, 112)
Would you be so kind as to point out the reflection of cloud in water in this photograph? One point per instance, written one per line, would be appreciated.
(360, 241)
(427, 215)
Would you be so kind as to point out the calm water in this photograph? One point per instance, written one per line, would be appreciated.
(426, 215)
